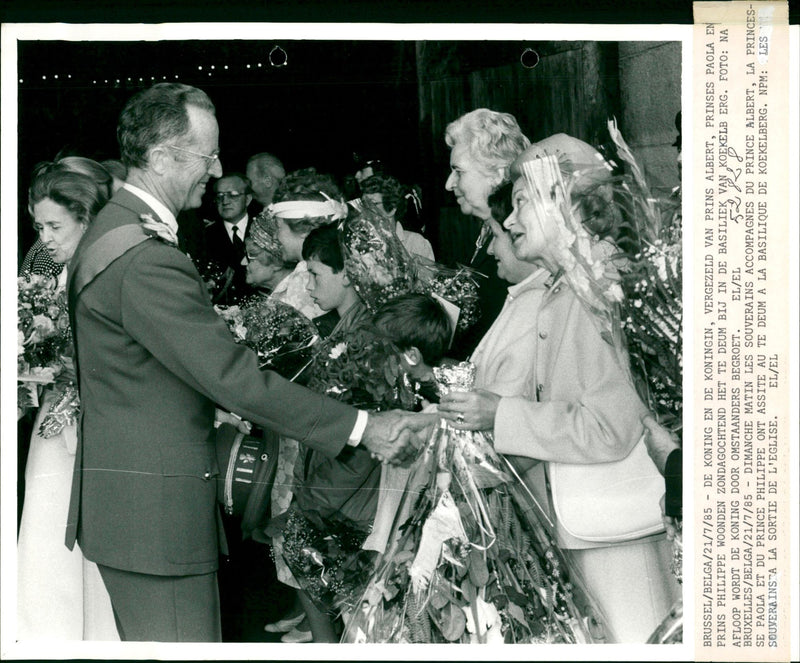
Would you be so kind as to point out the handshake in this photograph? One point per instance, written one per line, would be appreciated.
(395, 436)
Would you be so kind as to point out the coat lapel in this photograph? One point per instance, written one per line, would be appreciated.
(105, 242)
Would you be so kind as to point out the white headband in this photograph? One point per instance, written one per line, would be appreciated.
(299, 209)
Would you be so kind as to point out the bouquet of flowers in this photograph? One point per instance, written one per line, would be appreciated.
(363, 370)
(278, 333)
(652, 283)
(44, 350)
(215, 275)
(376, 262)
(326, 559)
(324, 551)
(381, 268)
(472, 563)
(652, 311)
(458, 286)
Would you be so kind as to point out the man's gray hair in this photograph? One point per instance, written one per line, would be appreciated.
(154, 116)
(268, 165)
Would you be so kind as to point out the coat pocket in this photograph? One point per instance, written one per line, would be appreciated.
(188, 503)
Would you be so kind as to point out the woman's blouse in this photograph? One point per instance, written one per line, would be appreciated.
(415, 243)
(38, 261)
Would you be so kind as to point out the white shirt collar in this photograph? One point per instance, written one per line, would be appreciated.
(158, 207)
(241, 224)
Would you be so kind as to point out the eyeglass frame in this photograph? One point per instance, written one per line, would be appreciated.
(234, 195)
(256, 256)
(209, 158)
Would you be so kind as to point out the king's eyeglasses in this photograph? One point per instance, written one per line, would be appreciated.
(224, 195)
(209, 158)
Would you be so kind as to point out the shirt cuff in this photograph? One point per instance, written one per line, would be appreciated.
(358, 429)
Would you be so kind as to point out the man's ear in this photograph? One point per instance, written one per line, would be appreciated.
(413, 356)
(157, 159)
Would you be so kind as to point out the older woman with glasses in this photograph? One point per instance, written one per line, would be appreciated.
(265, 265)
(483, 143)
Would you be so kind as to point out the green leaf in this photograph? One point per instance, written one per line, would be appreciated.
(517, 613)
(451, 621)
(478, 571)
(469, 590)
(515, 596)
(403, 556)
(440, 595)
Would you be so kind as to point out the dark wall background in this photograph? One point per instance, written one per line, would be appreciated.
(333, 98)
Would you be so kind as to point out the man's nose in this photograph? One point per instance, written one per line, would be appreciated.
(216, 168)
(450, 184)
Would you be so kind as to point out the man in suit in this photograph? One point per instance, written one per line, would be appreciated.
(265, 172)
(224, 238)
(483, 144)
(153, 360)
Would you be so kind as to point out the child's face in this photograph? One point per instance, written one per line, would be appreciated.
(415, 367)
(327, 288)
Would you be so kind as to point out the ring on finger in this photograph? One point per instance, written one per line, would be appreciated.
(460, 418)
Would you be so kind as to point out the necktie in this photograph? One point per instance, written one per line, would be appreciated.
(238, 243)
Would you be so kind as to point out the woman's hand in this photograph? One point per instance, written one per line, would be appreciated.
(659, 441)
(671, 524)
(470, 410)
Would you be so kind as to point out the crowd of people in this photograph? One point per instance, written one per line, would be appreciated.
(162, 348)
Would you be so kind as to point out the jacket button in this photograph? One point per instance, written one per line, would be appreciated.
(207, 475)
(543, 335)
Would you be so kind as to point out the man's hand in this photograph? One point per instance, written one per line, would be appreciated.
(223, 417)
(396, 436)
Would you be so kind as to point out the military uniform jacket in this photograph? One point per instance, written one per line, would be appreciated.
(153, 360)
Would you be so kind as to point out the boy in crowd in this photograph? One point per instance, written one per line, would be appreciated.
(338, 497)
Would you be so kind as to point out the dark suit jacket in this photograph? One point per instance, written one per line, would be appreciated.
(492, 291)
(220, 249)
(153, 359)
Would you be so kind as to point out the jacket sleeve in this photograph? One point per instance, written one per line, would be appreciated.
(673, 481)
(588, 410)
(166, 309)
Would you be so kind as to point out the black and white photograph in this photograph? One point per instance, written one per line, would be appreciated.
(344, 336)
